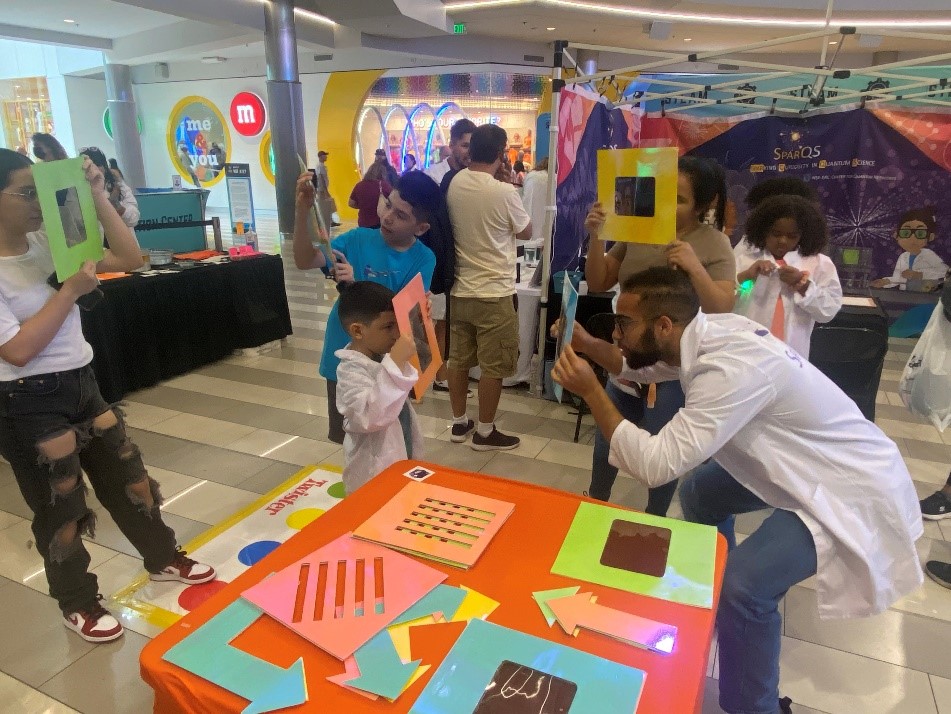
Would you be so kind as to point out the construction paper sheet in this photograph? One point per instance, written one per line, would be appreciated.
(343, 594)
(413, 318)
(69, 215)
(638, 189)
(595, 537)
(382, 671)
(476, 605)
(237, 543)
(453, 527)
(492, 669)
(579, 611)
(569, 309)
(542, 597)
(206, 653)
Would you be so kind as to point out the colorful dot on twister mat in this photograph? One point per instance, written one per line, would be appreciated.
(194, 595)
(337, 490)
(252, 553)
(305, 516)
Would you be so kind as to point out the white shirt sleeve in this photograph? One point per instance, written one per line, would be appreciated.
(9, 325)
(127, 199)
(517, 214)
(823, 298)
(932, 267)
(722, 398)
(371, 403)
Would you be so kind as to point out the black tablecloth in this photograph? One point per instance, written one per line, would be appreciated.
(148, 329)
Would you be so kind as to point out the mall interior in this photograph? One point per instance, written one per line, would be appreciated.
(507, 576)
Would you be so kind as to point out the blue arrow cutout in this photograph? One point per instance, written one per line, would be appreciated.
(381, 669)
(443, 598)
(206, 653)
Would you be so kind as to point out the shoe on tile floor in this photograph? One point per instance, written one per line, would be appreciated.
(94, 624)
(939, 572)
(185, 570)
(461, 431)
(936, 507)
(785, 705)
(496, 441)
(442, 385)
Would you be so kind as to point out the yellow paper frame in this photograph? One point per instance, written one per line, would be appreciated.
(659, 162)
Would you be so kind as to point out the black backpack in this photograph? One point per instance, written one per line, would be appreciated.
(439, 239)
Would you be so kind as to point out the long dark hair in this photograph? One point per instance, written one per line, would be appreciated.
(11, 161)
(50, 145)
(708, 181)
(99, 159)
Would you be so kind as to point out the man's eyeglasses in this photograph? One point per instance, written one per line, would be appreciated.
(624, 323)
(919, 233)
(30, 194)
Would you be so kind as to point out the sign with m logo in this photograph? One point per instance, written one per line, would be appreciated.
(248, 114)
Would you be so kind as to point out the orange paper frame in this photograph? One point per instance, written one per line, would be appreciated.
(411, 296)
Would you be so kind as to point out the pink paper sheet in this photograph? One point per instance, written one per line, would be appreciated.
(350, 610)
(437, 522)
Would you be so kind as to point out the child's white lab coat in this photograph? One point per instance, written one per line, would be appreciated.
(784, 431)
(823, 298)
(370, 396)
(928, 263)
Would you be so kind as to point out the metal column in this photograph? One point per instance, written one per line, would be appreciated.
(285, 105)
(125, 129)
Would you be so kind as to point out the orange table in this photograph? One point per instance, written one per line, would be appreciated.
(517, 563)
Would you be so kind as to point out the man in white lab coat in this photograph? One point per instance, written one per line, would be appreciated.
(780, 435)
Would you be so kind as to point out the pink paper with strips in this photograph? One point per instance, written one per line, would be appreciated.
(451, 526)
(328, 598)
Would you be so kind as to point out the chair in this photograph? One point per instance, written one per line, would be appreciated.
(601, 326)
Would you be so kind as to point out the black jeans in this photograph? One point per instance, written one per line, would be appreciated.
(35, 409)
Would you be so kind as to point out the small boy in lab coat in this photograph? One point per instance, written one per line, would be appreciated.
(374, 380)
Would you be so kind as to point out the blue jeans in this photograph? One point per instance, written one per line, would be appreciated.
(759, 571)
(670, 398)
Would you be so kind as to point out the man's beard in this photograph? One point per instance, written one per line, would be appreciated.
(647, 354)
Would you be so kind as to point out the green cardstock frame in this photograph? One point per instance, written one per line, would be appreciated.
(690, 561)
(53, 176)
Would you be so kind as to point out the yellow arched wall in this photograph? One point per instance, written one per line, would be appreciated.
(341, 104)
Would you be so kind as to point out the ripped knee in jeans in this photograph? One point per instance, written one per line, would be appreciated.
(69, 512)
(140, 488)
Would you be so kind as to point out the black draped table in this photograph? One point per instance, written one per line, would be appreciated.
(151, 328)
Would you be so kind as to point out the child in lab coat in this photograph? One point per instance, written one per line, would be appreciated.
(786, 283)
(374, 380)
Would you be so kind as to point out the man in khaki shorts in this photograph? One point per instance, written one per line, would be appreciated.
(487, 218)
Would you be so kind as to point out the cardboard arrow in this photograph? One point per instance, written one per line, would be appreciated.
(578, 611)
(381, 669)
(206, 653)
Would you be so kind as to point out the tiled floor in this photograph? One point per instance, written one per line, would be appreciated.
(217, 438)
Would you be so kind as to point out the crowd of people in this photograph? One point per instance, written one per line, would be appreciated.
(710, 381)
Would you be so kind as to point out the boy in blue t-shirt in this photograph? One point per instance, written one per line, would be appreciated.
(389, 255)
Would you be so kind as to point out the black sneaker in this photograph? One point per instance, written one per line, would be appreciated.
(461, 431)
(936, 507)
(939, 572)
(785, 705)
(496, 441)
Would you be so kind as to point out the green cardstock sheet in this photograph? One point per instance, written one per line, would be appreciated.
(690, 554)
(69, 215)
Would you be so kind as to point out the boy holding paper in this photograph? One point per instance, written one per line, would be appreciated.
(374, 379)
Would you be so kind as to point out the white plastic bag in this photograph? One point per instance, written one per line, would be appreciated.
(925, 385)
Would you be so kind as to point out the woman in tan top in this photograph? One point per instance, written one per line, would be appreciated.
(700, 250)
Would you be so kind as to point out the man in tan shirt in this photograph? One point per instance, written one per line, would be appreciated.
(487, 218)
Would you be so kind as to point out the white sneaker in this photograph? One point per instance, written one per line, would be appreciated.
(185, 570)
(94, 624)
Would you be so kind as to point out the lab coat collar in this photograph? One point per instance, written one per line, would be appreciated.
(690, 341)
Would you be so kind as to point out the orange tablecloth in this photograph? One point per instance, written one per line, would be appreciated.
(516, 563)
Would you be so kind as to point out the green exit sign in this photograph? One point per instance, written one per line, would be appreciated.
(459, 28)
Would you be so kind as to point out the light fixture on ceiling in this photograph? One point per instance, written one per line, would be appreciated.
(551, 29)
(213, 60)
(834, 42)
(70, 22)
(647, 12)
(688, 39)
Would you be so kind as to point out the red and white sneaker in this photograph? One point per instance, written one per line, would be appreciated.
(94, 624)
(185, 570)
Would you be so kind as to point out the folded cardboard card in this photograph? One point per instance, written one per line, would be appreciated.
(69, 215)
(443, 524)
(638, 190)
(569, 310)
(414, 321)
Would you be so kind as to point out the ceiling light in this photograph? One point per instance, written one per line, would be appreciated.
(551, 29)
(688, 39)
(643, 11)
(213, 60)
(71, 22)
(834, 42)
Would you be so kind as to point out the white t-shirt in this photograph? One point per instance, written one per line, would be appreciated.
(437, 172)
(23, 293)
(486, 215)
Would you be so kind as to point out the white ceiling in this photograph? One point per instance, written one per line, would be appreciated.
(96, 18)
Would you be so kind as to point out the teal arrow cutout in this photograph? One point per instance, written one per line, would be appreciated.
(443, 598)
(381, 669)
(206, 653)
